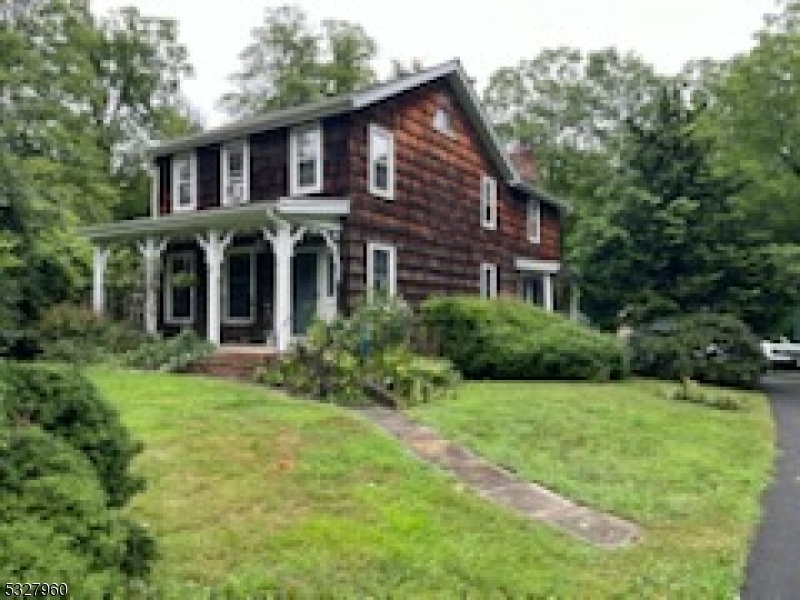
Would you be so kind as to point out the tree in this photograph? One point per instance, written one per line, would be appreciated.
(288, 62)
(675, 238)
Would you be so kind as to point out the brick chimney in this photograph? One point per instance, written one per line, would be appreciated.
(521, 156)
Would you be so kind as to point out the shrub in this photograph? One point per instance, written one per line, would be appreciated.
(510, 339)
(64, 403)
(75, 334)
(689, 391)
(367, 354)
(175, 354)
(710, 348)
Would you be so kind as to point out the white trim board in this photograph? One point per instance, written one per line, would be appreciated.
(537, 266)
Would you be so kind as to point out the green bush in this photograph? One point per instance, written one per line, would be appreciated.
(64, 403)
(689, 391)
(175, 354)
(710, 348)
(70, 333)
(368, 354)
(510, 339)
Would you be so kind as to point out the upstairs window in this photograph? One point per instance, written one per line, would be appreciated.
(488, 202)
(381, 270)
(235, 173)
(488, 280)
(381, 162)
(305, 160)
(442, 122)
(534, 220)
(184, 182)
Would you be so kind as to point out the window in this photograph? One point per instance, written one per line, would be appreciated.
(180, 288)
(305, 159)
(381, 162)
(488, 202)
(534, 220)
(488, 280)
(442, 122)
(381, 270)
(184, 182)
(235, 173)
(239, 286)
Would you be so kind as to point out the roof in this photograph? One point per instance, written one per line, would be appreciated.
(452, 71)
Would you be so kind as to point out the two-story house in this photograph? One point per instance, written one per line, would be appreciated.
(261, 225)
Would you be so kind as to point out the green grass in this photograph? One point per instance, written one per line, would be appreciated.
(252, 491)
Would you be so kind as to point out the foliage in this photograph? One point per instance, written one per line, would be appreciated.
(675, 239)
(65, 404)
(510, 339)
(63, 479)
(689, 391)
(174, 354)
(368, 353)
(75, 334)
(711, 348)
(288, 63)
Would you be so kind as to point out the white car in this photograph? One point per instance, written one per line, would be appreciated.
(782, 353)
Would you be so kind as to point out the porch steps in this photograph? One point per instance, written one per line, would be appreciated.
(235, 363)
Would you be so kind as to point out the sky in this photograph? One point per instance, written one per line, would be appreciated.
(485, 35)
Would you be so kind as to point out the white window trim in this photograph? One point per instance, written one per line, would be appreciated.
(294, 188)
(488, 291)
(155, 191)
(226, 148)
(491, 222)
(388, 193)
(534, 209)
(176, 207)
(227, 319)
(169, 317)
(392, 251)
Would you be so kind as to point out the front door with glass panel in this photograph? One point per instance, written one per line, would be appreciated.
(305, 290)
(532, 289)
(239, 291)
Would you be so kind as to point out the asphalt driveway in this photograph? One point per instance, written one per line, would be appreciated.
(773, 570)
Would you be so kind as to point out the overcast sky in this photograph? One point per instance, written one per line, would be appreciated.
(484, 34)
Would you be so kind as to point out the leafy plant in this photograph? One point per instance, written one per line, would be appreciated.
(368, 354)
(510, 339)
(175, 354)
(705, 347)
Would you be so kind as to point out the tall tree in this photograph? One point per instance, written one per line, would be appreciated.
(288, 62)
(675, 238)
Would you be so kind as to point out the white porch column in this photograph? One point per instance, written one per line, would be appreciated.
(214, 245)
(283, 242)
(574, 302)
(547, 286)
(99, 265)
(151, 250)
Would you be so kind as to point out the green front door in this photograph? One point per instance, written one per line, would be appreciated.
(304, 291)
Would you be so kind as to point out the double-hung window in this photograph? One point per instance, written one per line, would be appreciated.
(534, 220)
(235, 173)
(488, 280)
(239, 286)
(305, 159)
(381, 270)
(184, 182)
(381, 162)
(180, 288)
(488, 202)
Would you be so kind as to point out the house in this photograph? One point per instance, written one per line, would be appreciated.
(261, 225)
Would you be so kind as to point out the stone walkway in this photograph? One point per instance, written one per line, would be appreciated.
(500, 486)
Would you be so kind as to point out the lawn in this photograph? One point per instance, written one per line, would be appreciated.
(255, 492)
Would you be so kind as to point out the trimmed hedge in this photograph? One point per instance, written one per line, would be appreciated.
(711, 348)
(511, 339)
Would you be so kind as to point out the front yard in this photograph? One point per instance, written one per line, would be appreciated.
(253, 491)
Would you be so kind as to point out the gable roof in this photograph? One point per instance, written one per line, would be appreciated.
(452, 71)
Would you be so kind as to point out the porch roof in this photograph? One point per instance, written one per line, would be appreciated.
(323, 212)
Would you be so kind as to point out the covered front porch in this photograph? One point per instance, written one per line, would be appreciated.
(251, 274)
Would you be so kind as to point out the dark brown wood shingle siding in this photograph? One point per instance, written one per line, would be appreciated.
(209, 187)
(434, 219)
